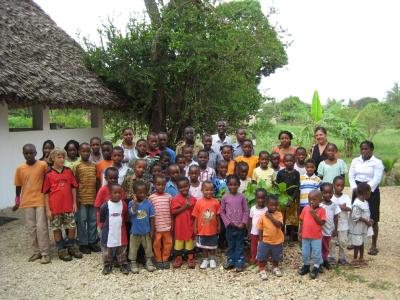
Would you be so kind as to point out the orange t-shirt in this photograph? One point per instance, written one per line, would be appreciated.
(206, 212)
(231, 167)
(271, 234)
(30, 179)
(101, 166)
(252, 161)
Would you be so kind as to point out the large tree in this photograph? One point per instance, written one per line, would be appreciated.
(193, 63)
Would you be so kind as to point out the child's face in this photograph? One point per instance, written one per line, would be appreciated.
(141, 193)
(141, 148)
(194, 174)
(117, 157)
(242, 172)
(173, 172)
(112, 177)
(156, 170)
(202, 159)
(314, 200)
(247, 148)
(47, 149)
(264, 161)
(260, 199)
(338, 185)
(227, 153)
(272, 205)
(207, 190)
(310, 169)
(84, 151)
(72, 152)
(116, 193)
(140, 168)
(127, 136)
(331, 152)
(275, 159)
(152, 142)
(162, 141)
(183, 188)
(207, 142)
(364, 196)
(95, 146)
(29, 153)
(240, 135)
(160, 185)
(289, 162)
(301, 156)
(285, 140)
(189, 134)
(233, 186)
(222, 168)
(327, 193)
(188, 154)
(165, 161)
(107, 150)
(181, 162)
(58, 161)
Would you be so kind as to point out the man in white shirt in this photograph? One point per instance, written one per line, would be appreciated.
(220, 139)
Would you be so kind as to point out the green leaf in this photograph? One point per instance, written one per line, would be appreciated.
(282, 187)
(316, 108)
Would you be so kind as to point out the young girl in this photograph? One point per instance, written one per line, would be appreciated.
(360, 221)
(242, 169)
(235, 215)
(301, 155)
(343, 201)
(291, 177)
(255, 213)
(195, 184)
(275, 162)
(263, 172)
(248, 157)
(206, 225)
(181, 162)
(95, 153)
(46, 149)
(165, 160)
(226, 152)
(332, 166)
(128, 145)
(181, 208)
(219, 181)
(72, 149)
(206, 172)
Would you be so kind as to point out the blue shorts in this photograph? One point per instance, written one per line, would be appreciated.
(265, 251)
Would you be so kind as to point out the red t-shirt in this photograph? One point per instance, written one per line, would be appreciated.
(103, 195)
(59, 187)
(310, 228)
(206, 212)
(184, 222)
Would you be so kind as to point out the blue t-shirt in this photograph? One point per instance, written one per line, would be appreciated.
(219, 184)
(141, 220)
(171, 189)
(172, 155)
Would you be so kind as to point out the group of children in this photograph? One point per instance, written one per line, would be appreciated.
(147, 203)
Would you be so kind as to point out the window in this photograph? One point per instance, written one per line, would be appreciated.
(20, 119)
(69, 118)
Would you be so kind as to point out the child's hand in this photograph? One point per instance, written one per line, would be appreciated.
(74, 208)
(370, 222)
(241, 226)
(334, 233)
(343, 206)
(49, 215)
(313, 212)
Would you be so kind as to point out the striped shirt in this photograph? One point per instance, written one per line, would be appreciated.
(85, 173)
(206, 174)
(307, 184)
(162, 208)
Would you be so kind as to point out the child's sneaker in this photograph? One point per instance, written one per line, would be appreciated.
(84, 249)
(159, 265)
(240, 269)
(213, 263)
(304, 270)
(35, 257)
(263, 275)
(204, 264)
(277, 272)
(107, 269)
(327, 265)
(45, 259)
(314, 273)
(124, 269)
(74, 251)
(166, 265)
(228, 265)
(94, 247)
(177, 262)
(149, 265)
(134, 267)
(64, 255)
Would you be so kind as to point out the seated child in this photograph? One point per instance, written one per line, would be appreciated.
(113, 215)
(242, 170)
(300, 155)
(195, 184)
(181, 208)
(270, 238)
(263, 172)
(206, 173)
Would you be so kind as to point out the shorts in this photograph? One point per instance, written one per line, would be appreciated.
(265, 251)
(187, 245)
(65, 220)
(358, 240)
(207, 241)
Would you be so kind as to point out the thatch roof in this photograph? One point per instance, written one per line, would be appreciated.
(41, 64)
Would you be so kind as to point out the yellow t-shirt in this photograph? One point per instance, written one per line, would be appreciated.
(271, 234)
(252, 161)
(30, 179)
(266, 175)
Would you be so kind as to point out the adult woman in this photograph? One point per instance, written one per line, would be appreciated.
(285, 137)
(367, 168)
(318, 150)
(128, 145)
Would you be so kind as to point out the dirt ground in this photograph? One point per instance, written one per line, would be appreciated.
(83, 279)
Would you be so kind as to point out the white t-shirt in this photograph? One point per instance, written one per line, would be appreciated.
(196, 192)
(343, 222)
(114, 223)
(331, 210)
(255, 214)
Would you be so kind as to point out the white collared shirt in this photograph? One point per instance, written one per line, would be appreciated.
(369, 171)
(217, 143)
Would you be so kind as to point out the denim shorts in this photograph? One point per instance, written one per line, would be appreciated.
(265, 251)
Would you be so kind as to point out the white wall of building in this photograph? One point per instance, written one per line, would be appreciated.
(12, 142)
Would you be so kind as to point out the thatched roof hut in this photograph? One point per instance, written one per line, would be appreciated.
(41, 64)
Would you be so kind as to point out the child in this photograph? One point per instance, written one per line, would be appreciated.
(181, 208)
(235, 215)
(255, 213)
(163, 223)
(300, 155)
(332, 166)
(85, 173)
(46, 149)
(102, 165)
(128, 145)
(152, 145)
(95, 154)
(206, 173)
(157, 169)
(188, 154)
(270, 238)
(113, 215)
(275, 162)
(181, 162)
(312, 218)
(291, 177)
(247, 156)
(344, 203)
(226, 152)
(142, 214)
(163, 146)
(308, 183)
(206, 225)
(242, 170)
(329, 229)
(360, 221)
(172, 173)
(140, 167)
(219, 181)
(195, 184)
(117, 157)
(72, 150)
(263, 172)
(212, 155)
(165, 160)
(59, 187)
(28, 182)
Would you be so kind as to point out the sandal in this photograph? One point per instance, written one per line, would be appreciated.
(373, 251)
(362, 263)
(355, 263)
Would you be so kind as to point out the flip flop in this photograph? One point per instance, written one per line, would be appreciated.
(373, 251)
(355, 263)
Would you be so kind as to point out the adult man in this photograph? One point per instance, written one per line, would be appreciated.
(189, 139)
(220, 138)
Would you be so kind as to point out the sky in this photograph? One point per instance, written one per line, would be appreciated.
(345, 49)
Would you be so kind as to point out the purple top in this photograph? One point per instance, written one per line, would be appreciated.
(234, 209)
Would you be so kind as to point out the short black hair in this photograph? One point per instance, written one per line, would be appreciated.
(194, 167)
(288, 133)
(287, 155)
(180, 156)
(248, 141)
(127, 128)
(159, 176)
(152, 133)
(118, 148)
(310, 161)
(84, 144)
(50, 142)
(95, 138)
(110, 169)
(107, 143)
(156, 164)
(115, 184)
(138, 184)
(165, 154)
(325, 184)
(206, 135)
(225, 146)
(369, 144)
(272, 197)
(333, 146)
(337, 178)
(262, 190)
(232, 177)
(263, 152)
(242, 165)
(141, 141)
(206, 182)
(182, 178)
(363, 188)
(203, 151)
(301, 149)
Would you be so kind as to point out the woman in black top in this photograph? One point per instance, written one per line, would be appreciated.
(318, 150)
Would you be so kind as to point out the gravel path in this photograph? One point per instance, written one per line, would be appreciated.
(82, 278)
